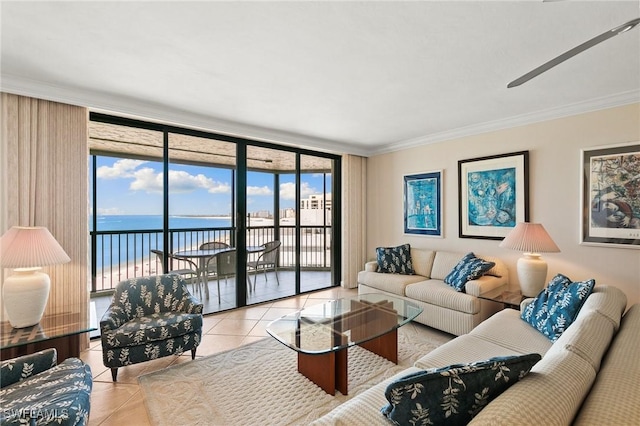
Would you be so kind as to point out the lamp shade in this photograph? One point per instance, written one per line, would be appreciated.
(29, 247)
(529, 238)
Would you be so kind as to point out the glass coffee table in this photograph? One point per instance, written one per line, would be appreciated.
(322, 333)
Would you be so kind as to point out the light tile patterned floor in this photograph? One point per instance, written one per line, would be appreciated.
(122, 402)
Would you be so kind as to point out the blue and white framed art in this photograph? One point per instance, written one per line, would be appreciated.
(610, 210)
(423, 203)
(493, 195)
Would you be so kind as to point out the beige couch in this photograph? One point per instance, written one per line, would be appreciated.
(587, 377)
(444, 308)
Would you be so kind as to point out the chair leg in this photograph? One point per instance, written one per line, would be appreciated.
(275, 268)
(218, 281)
(193, 353)
(114, 374)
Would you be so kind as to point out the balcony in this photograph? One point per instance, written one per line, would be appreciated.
(120, 255)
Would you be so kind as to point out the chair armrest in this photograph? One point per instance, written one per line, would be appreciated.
(191, 305)
(17, 369)
(371, 266)
(113, 318)
(484, 284)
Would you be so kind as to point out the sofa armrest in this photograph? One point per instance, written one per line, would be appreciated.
(17, 369)
(371, 266)
(484, 284)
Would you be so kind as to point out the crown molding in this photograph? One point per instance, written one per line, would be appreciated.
(118, 105)
(134, 108)
(619, 99)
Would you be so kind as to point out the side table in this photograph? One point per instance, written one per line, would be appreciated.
(59, 331)
(509, 299)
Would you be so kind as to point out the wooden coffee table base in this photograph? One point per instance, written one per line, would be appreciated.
(329, 370)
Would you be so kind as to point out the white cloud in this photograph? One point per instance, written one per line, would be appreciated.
(149, 180)
(121, 169)
(259, 190)
(288, 190)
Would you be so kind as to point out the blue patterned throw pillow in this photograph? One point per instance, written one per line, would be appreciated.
(395, 260)
(557, 306)
(453, 395)
(468, 268)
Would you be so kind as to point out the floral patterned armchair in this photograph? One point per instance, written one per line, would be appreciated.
(36, 391)
(149, 318)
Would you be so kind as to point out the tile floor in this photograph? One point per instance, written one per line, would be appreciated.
(122, 402)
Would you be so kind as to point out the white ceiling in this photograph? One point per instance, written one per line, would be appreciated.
(353, 77)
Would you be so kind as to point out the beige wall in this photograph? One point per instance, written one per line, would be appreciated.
(554, 198)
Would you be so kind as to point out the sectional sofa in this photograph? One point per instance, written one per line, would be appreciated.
(444, 308)
(589, 376)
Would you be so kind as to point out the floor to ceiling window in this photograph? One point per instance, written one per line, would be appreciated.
(173, 199)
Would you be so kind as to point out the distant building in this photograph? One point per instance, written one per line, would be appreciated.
(287, 213)
(316, 210)
(266, 214)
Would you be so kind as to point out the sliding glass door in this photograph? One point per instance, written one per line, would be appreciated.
(271, 262)
(200, 189)
(189, 191)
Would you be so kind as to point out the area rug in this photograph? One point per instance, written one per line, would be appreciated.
(259, 384)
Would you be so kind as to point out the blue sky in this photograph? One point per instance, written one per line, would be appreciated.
(128, 187)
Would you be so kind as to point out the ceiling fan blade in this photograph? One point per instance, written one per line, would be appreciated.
(570, 53)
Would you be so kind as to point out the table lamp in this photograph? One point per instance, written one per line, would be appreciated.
(532, 239)
(25, 293)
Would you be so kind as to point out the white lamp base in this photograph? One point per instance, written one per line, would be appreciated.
(25, 295)
(532, 273)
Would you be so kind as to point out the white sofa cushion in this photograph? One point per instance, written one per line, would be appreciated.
(422, 261)
(549, 395)
(614, 396)
(438, 293)
(607, 300)
(507, 330)
(461, 350)
(392, 283)
(589, 337)
(443, 263)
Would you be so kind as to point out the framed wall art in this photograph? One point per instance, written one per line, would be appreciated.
(611, 196)
(493, 195)
(423, 204)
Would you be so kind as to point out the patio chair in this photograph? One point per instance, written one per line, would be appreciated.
(190, 275)
(267, 259)
(226, 267)
(208, 268)
(149, 318)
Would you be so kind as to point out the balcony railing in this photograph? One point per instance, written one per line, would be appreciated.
(120, 255)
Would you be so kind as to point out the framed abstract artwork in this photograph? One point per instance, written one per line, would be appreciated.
(611, 196)
(423, 204)
(493, 195)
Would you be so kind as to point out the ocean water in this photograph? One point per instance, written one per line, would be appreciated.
(114, 249)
